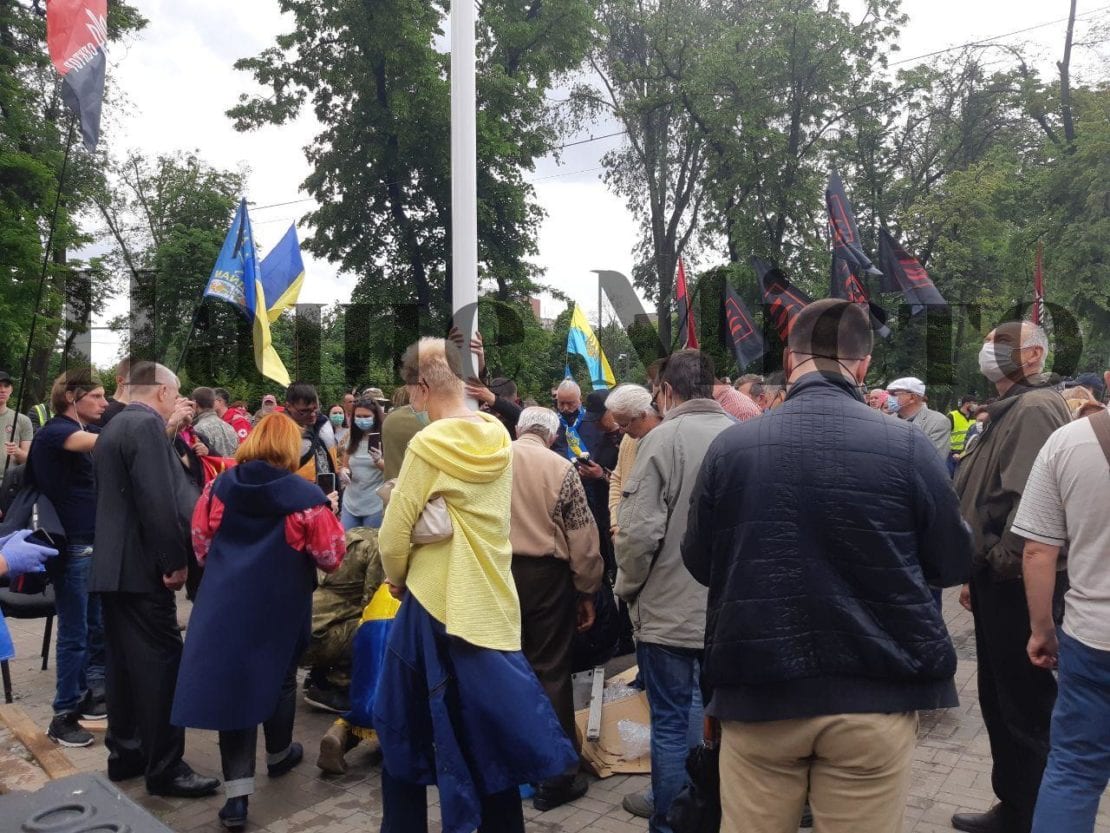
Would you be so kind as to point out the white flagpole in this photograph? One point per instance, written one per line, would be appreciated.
(464, 177)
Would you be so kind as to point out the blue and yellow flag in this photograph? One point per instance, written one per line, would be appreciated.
(582, 341)
(237, 279)
(282, 275)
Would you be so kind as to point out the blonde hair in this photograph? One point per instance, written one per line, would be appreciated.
(434, 362)
(276, 439)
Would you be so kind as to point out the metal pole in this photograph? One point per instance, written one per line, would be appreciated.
(464, 179)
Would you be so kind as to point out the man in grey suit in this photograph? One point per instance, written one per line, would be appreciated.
(144, 507)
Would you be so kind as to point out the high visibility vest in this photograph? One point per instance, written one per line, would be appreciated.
(960, 425)
(40, 415)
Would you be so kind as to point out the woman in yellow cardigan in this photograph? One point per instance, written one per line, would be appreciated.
(457, 704)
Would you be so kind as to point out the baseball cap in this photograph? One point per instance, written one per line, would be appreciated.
(1091, 381)
(5, 377)
(909, 384)
(374, 393)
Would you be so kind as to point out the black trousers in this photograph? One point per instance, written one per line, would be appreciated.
(143, 646)
(237, 746)
(1015, 696)
(405, 809)
(548, 619)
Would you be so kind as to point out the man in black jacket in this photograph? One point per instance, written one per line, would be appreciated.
(143, 512)
(818, 529)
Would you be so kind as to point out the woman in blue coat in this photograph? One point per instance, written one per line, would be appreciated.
(260, 531)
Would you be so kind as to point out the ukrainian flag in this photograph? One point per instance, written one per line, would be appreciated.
(237, 279)
(582, 341)
(283, 275)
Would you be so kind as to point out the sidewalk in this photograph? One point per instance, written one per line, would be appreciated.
(951, 766)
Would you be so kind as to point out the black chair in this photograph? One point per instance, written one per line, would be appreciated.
(27, 606)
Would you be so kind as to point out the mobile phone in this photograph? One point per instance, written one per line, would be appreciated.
(583, 460)
(41, 536)
(326, 482)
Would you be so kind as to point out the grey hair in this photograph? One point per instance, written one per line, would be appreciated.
(629, 400)
(543, 422)
(568, 385)
(1035, 336)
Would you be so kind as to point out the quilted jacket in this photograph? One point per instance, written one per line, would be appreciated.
(818, 529)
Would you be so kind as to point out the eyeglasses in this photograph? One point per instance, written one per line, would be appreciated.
(311, 409)
(624, 426)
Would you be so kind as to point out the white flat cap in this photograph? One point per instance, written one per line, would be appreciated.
(909, 384)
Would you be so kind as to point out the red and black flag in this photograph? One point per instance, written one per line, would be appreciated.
(844, 284)
(747, 343)
(687, 328)
(909, 275)
(1038, 286)
(77, 37)
(782, 299)
(844, 232)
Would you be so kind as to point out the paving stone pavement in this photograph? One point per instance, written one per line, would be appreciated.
(951, 767)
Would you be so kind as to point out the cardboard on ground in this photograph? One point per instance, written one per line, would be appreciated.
(605, 757)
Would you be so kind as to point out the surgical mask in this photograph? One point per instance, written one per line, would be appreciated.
(422, 417)
(336, 419)
(996, 361)
(365, 423)
(893, 406)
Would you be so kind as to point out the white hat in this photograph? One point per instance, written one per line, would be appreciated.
(909, 384)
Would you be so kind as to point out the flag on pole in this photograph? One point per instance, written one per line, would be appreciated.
(77, 38)
(908, 275)
(282, 275)
(582, 341)
(846, 285)
(747, 343)
(1038, 287)
(783, 299)
(237, 279)
(844, 231)
(687, 329)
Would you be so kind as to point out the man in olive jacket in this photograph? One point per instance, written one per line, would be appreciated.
(1015, 696)
(667, 605)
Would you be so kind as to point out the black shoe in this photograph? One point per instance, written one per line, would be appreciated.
(291, 759)
(327, 699)
(559, 791)
(66, 731)
(186, 785)
(93, 708)
(988, 822)
(807, 817)
(233, 815)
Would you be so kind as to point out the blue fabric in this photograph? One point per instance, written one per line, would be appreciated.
(670, 678)
(568, 443)
(818, 529)
(80, 651)
(65, 477)
(368, 653)
(1079, 761)
(350, 521)
(7, 649)
(471, 720)
(252, 615)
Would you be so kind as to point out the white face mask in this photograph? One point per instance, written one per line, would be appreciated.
(996, 362)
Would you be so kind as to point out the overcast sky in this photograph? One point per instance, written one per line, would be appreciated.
(179, 80)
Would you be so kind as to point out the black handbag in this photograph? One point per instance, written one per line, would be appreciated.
(697, 808)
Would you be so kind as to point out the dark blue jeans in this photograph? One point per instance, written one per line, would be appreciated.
(405, 809)
(1079, 760)
(80, 654)
(670, 678)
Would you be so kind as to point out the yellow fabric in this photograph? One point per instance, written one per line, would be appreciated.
(287, 300)
(960, 425)
(266, 359)
(580, 323)
(381, 606)
(466, 581)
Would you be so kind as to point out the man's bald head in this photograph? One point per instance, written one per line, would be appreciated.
(155, 385)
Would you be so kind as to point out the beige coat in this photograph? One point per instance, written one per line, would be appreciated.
(550, 516)
(626, 457)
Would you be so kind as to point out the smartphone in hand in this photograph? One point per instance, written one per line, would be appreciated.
(326, 482)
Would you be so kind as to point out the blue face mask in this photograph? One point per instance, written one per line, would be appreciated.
(422, 417)
(893, 406)
(364, 423)
(336, 419)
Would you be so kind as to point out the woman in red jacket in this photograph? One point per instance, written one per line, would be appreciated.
(260, 531)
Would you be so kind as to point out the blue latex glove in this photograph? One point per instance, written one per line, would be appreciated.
(24, 556)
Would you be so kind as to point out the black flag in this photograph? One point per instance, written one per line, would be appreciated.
(909, 275)
(783, 299)
(844, 284)
(747, 343)
(843, 230)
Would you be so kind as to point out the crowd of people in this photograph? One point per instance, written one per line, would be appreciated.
(772, 550)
